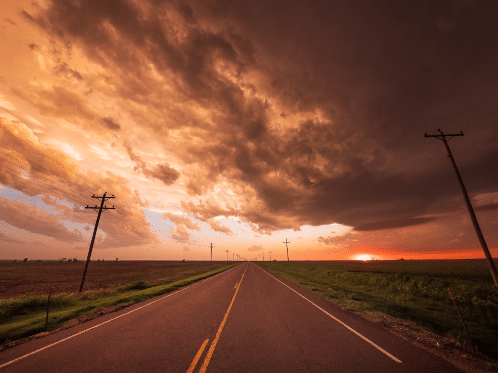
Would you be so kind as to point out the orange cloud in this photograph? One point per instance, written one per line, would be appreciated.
(182, 223)
(32, 219)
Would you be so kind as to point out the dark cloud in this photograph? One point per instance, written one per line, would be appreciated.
(315, 117)
(389, 224)
(109, 123)
(162, 171)
(63, 69)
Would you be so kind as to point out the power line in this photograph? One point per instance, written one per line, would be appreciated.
(41, 153)
(31, 181)
(67, 194)
(46, 156)
(31, 162)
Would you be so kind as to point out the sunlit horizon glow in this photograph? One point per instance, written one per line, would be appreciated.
(235, 124)
(363, 257)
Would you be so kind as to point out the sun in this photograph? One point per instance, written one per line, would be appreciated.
(363, 257)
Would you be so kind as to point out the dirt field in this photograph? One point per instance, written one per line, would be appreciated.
(18, 278)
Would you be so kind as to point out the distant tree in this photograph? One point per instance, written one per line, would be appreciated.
(99, 260)
(116, 259)
(25, 260)
(183, 260)
(15, 260)
(75, 260)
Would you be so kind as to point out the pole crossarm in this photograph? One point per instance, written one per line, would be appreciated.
(472, 214)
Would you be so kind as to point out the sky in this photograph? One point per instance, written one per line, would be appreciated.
(246, 124)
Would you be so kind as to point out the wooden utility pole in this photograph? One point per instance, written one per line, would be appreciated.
(480, 236)
(286, 242)
(227, 254)
(270, 253)
(95, 232)
(211, 251)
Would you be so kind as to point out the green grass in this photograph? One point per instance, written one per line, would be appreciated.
(26, 315)
(408, 291)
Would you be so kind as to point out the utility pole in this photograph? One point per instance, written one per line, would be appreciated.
(480, 236)
(270, 256)
(286, 242)
(94, 232)
(211, 251)
(227, 254)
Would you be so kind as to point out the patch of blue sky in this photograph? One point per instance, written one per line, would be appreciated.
(15, 195)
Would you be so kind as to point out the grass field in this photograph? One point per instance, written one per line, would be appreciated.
(412, 290)
(24, 292)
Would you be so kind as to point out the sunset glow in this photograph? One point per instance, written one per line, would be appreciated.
(363, 257)
(237, 124)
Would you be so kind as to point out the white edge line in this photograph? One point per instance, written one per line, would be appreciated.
(105, 322)
(339, 321)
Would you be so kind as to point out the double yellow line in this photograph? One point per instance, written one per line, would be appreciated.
(207, 359)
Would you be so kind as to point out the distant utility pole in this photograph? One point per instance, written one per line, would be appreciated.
(263, 257)
(233, 257)
(286, 242)
(211, 251)
(94, 232)
(227, 254)
(270, 253)
(480, 236)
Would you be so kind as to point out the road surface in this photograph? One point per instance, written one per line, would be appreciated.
(242, 320)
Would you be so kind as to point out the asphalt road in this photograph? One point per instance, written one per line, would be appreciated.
(242, 320)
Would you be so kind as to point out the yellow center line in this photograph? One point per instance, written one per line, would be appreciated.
(197, 356)
(215, 340)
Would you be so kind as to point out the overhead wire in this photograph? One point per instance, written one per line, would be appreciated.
(31, 162)
(60, 164)
(46, 156)
(31, 181)
(52, 181)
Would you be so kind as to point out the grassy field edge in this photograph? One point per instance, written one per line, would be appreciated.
(444, 345)
(26, 316)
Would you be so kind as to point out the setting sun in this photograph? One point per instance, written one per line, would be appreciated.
(363, 257)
